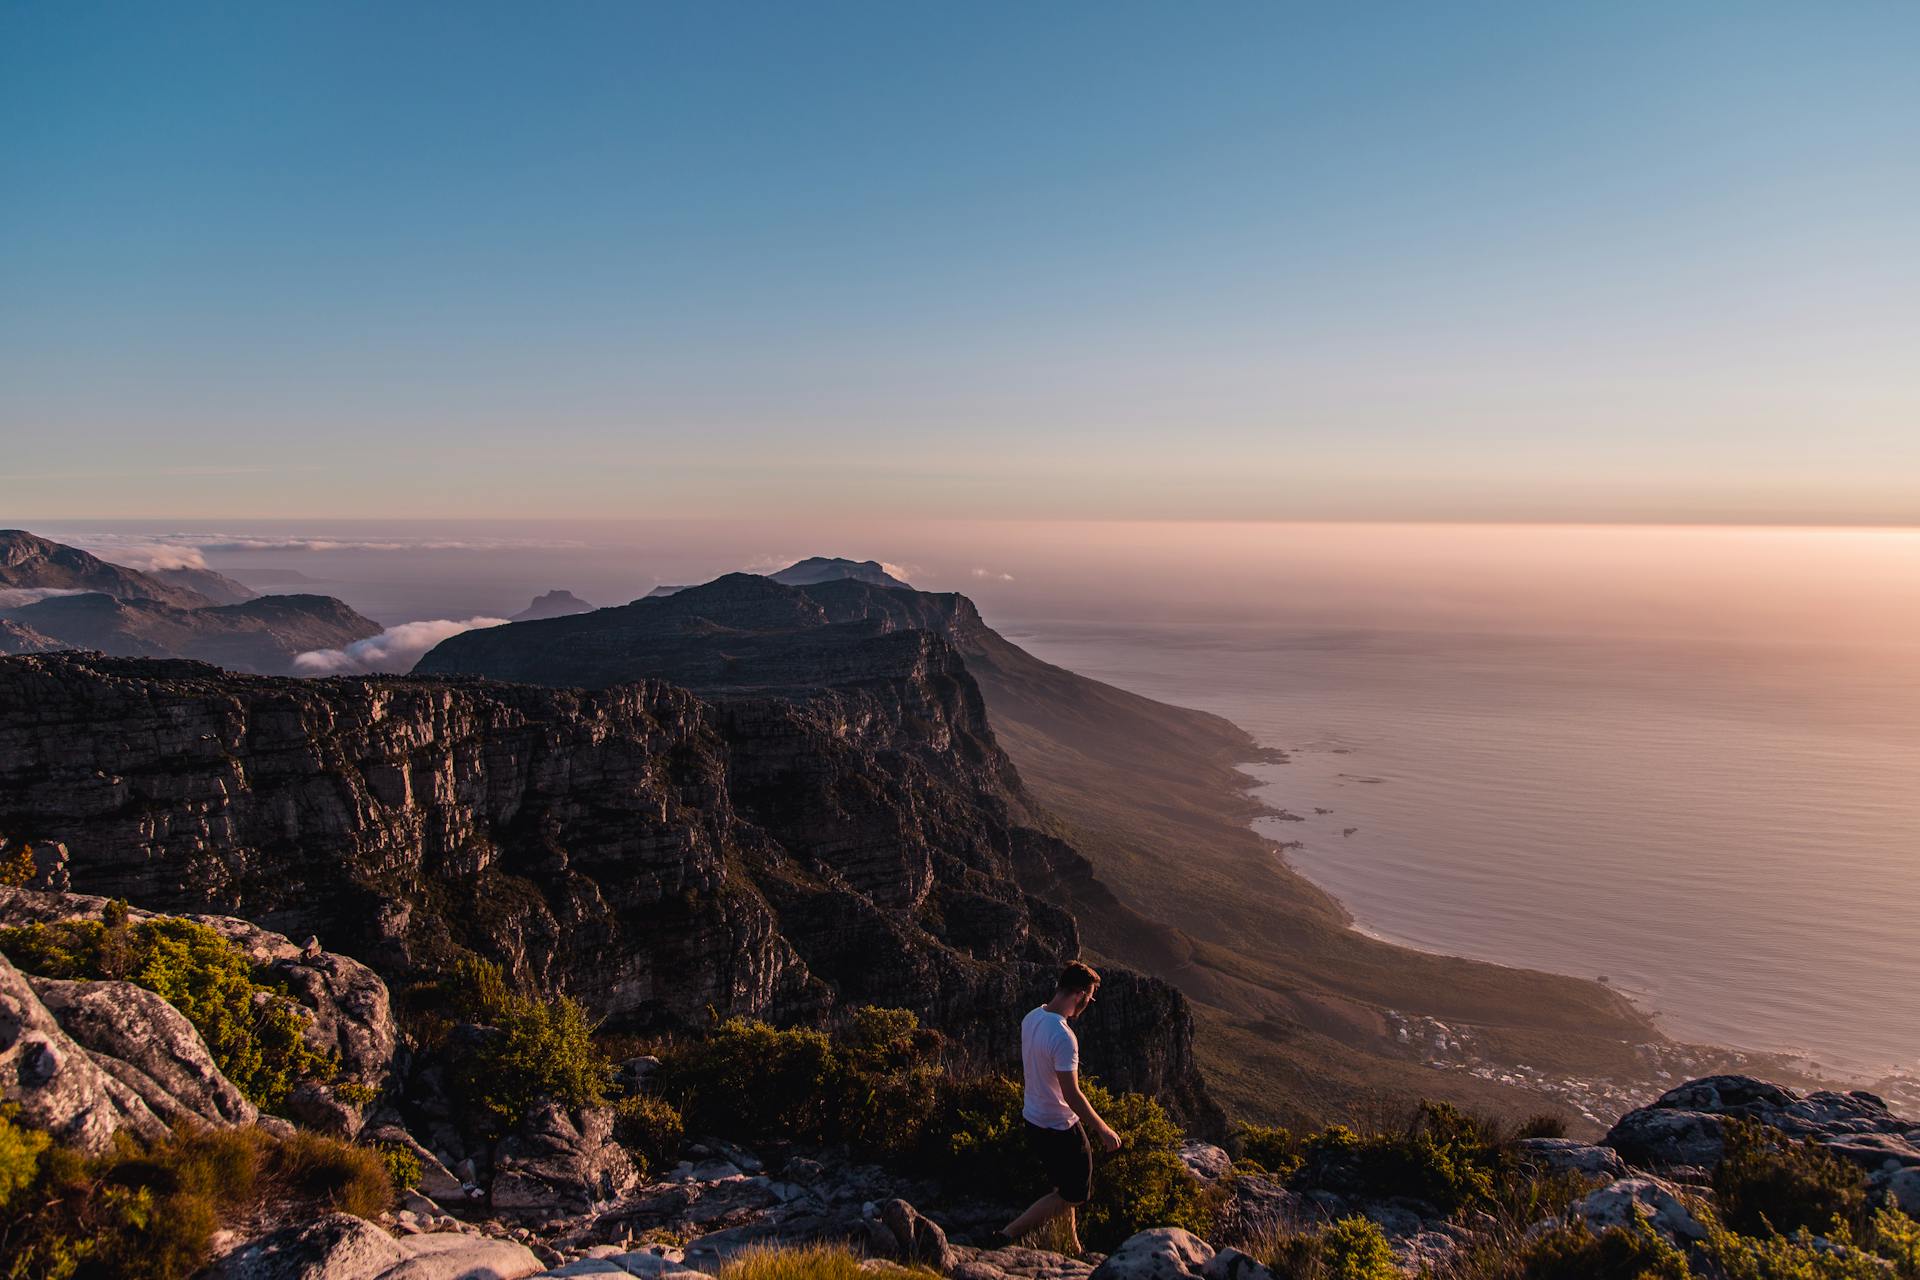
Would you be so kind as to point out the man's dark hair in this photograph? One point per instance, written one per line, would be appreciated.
(1078, 977)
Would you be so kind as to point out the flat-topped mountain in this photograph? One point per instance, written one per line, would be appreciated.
(1300, 1011)
(30, 561)
(815, 569)
(653, 854)
(554, 604)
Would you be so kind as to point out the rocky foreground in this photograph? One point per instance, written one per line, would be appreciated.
(94, 1063)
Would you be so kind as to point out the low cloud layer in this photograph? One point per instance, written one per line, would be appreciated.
(149, 556)
(992, 576)
(394, 650)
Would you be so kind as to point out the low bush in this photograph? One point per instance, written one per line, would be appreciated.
(1350, 1249)
(1145, 1183)
(1577, 1252)
(1444, 1157)
(20, 1152)
(1268, 1149)
(1768, 1182)
(255, 1034)
(403, 1166)
(650, 1128)
(1733, 1256)
(17, 869)
(752, 1080)
(537, 1049)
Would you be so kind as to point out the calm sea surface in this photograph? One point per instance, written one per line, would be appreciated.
(1729, 832)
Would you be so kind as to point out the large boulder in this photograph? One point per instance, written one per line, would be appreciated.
(56, 1084)
(335, 1246)
(149, 1046)
(1164, 1253)
(561, 1160)
(454, 1255)
(1686, 1125)
(897, 1230)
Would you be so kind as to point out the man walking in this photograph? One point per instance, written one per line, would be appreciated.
(1058, 1115)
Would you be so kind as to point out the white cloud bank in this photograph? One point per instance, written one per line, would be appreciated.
(149, 556)
(394, 650)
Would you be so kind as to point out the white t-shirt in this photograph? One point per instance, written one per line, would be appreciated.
(1048, 1045)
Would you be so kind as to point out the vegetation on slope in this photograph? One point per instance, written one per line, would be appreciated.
(255, 1033)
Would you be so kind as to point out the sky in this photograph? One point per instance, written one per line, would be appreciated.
(1076, 261)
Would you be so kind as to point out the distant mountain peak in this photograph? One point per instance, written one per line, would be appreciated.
(554, 604)
(32, 562)
(817, 569)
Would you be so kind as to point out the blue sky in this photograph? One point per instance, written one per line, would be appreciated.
(1263, 261)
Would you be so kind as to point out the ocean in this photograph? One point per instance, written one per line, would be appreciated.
(1729, 833)
(1686, 760)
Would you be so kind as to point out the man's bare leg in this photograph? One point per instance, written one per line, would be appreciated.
(1044, 1210)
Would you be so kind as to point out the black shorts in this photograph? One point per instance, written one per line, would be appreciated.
(1066, 1157)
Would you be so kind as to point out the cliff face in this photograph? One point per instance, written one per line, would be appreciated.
(642, 849)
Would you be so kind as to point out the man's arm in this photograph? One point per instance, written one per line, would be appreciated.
(1102, 1131)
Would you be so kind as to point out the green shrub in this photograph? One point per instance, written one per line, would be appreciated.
(650, 1128)
(355, 1093)
(1444, 1157)
(20, 1151)
(751, 1080)
(537, 1049)
(141, 1214)
(1767, 1182)
(17, 870)
(403, 1166)
(1732, 1256)
(1352, 1248)
(1267, 1148)
(255, 1034)
(1577, 1252)
(1896, 1237)
(1145, 1183)
(979, 1142)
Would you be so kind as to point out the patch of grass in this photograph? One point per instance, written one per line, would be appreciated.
(325, 1171)
(1577, 1252)
(20, 1152)
(813, 1262)
(255, 1034)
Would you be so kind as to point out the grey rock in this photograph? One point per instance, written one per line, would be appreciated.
(149, 1046)
(1231, 1264)
(1164, 1253)
(1659, 1203)
(1685, 1125)
(1564, 1155)
(454, 1255)
(897, 1230)
(336, 1246)
(1018, 1263)
(57, 1085)
(557, 1158)
(1902, 1184)
(1204, 1160)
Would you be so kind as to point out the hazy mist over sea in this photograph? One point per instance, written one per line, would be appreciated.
(1684, 758)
